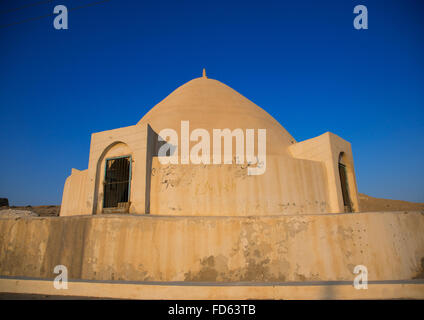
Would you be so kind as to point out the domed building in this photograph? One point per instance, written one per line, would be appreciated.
(223, 203)
(126, 175)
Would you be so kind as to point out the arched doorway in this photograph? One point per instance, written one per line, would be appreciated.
(109, 173)
(117, 184)
(344, 183)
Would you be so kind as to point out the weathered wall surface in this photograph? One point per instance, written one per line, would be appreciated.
(159, 248)
(326, 149)
(128, 141)
(300, 178)
(288, 186)
(75, 193)
(184, 291)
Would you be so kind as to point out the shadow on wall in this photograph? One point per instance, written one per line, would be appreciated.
(344, 182)
(153, 147)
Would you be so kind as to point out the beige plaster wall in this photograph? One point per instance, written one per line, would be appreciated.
(118, 142)
(288, 186)
(158, 248)
(102, 146)
(300, 177)
(307, 183)
(209, 291)
(326, 148)
(75, 194)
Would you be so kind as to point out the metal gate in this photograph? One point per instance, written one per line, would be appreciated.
(117, 182)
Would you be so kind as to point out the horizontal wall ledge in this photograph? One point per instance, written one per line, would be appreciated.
(214, 292)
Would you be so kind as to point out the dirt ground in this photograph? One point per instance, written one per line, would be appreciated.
(368, 203)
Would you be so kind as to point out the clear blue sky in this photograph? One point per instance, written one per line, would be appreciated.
(302, 61)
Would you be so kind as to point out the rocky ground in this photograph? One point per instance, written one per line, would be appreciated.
(41, 211)
(367, 204)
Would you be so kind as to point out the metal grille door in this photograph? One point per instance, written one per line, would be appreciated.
(117, 179)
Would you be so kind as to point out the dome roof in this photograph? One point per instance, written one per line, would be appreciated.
(210, 104)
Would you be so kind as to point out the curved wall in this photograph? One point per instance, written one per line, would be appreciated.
(323, 247)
